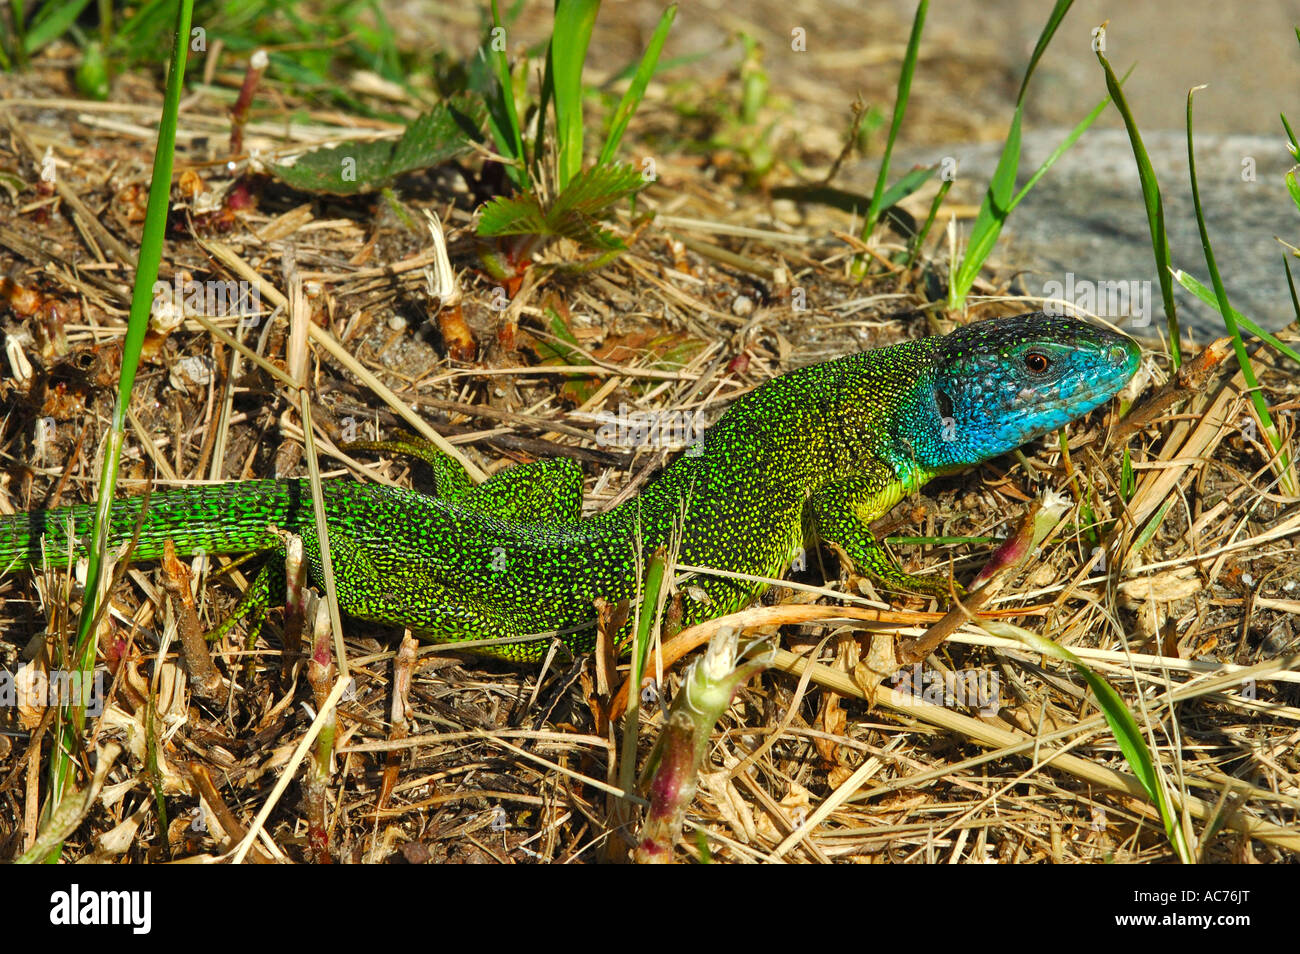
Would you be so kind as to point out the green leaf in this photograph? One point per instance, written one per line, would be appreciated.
(636, 92)
(992, 214)
(900, 109)
(569, 39)
(1065, 144)
(92, 74)
(595, 190)
(572, 214)
(350, 168)
(1207, 296)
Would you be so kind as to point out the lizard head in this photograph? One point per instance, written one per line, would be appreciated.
(997, 384)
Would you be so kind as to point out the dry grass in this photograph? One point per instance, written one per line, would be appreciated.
(444, 758)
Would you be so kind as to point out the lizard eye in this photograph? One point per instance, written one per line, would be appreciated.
(1037, 362)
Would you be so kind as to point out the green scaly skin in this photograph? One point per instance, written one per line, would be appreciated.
(815, 454)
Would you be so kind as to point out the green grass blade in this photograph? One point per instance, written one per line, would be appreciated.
(644, 616)
(1148, 532)
(503, 115)
(1293, 147)
(1290, 284)
(16, 40)
(1206, 295)
(650, 603)
(636, 92)
(1282, 462)
(68, 729)
(513, 215)
(1064, 146)
(1044, 38)
(50, 22)
(992, 214)
(1155, 207)
(900, 110)
(569, 38)
(1127, 733)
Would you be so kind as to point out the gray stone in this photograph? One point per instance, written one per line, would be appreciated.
(1084, 223)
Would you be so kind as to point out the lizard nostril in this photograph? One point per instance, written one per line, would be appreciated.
(1117, 354)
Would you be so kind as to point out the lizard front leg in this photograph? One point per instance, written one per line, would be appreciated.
(841, 515)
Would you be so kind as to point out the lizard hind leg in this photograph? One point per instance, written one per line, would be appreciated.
(267, 588)
(371, 586)
(449, 477)
(543, 491)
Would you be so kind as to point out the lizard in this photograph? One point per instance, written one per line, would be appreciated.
(814, 454)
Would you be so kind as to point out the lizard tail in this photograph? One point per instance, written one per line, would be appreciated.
(225, 518)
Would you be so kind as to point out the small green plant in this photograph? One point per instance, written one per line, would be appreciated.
(556, 197)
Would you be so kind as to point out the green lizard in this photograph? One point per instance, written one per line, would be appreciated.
(815, 454)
